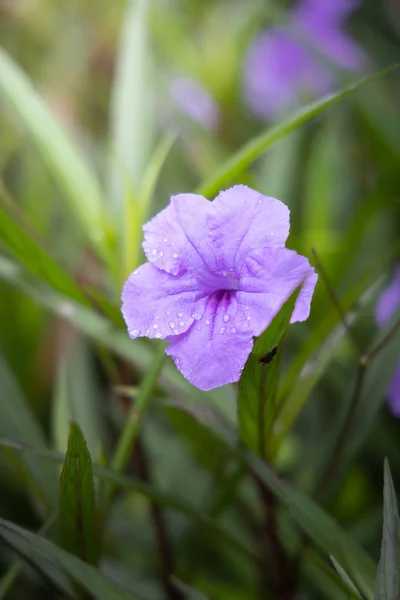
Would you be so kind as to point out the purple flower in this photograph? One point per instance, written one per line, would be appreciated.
(281, 68)
(195, 101)
(387, 305)
(218, 274)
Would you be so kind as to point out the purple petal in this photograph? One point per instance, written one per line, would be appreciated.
(267, 280)
(166, 243)
(243, 219)
(214, 350)
(389, 301)
(158, 305)
(195, 101)
(325, 10)
(394, 393)
(280, 72)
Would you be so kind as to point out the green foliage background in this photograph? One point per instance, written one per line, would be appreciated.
(165, 501)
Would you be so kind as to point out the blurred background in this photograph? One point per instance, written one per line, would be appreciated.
(108, 108)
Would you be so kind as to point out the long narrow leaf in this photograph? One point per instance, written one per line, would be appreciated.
(77, 182)
(257, 146)
(78, 522)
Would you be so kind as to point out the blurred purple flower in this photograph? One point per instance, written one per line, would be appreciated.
(195, 101)
(281, 70)
(387, 305)
(218, 274)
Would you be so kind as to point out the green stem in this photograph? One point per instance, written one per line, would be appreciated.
(139, 409)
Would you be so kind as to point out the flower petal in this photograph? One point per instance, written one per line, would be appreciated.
(267, 280)
(157, 304)
(389, 301)
(214, 350)
(166, 242)
(243, 219)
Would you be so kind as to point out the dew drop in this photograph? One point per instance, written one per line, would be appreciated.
(181, 323)
(271, 234)
(168, 312)
(207, 322)
(249, 318)
(158, 335)
(155, 326)
(199, 328)
(224, 273)
(134, 333)
(246, 308)
(161, 253)
(227, 318)
(176, 331)
(233, 329)
(260, 201)
(222, 330)
(177, 362)
(196, 316)
(175, 255)
(165, 239)
(180, 314)
(172, 324)
(154, 252)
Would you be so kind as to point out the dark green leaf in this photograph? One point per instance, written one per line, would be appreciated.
(53, 562)
(78, 520)
(387, 585)
(259, 380)
(353, 591)
(20, 424)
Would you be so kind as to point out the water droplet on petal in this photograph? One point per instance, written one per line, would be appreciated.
(158, 335)
(249, 318)
(181, 323)
(177, 362)
(222, 330)
(227, 318)
(180, 314)
(224, 273)
(196, 316)
(233, 329)
(161, 253)
(165, 239)
(154, 252)
(199, 328)
(155, 326)
(172, 324)
(168, 312)
(176, 331)
(134, 333)
(246, 308)
(260, 201)
(207, 322)
(271, 234)
(175, 255)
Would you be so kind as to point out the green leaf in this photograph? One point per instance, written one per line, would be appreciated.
(21, 424)
(354, 593)
(77, 182)
(259, 381)
(257, 146)
(387, 585)
(132, 120)
(171, 501)
(53, 563)
(78, 522)
(77, 399)
(35, 259)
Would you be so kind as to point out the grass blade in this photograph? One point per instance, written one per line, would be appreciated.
(40, 552)
(258, 145)
(77, 182)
